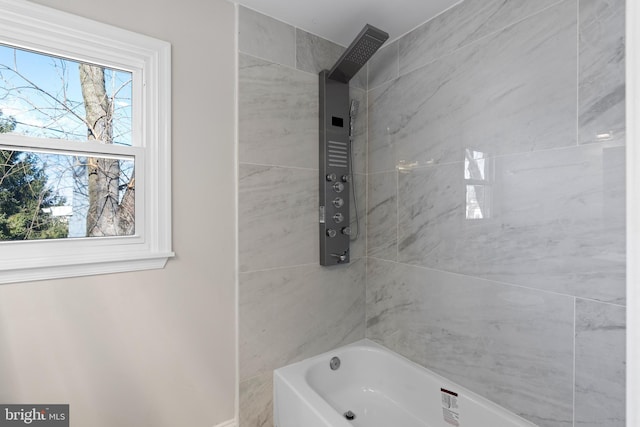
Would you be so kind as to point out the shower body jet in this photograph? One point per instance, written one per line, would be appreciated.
(335, 145)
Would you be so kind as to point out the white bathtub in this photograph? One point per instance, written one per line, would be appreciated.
(382, 389)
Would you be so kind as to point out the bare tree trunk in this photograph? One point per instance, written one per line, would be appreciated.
(107, 216)
(126, 217)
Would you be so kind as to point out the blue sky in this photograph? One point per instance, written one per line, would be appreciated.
(39, 114)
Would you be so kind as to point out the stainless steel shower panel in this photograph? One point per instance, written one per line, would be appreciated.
(335, 172)
(336, 123)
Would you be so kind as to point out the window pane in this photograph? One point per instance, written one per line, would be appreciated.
(49, 97)
(56, 196)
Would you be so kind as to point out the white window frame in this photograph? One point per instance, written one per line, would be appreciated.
(30, 26)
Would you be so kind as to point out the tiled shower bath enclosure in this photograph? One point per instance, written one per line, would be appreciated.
(489, 169)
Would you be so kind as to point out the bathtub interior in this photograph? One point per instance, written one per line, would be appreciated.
(381, 388)
(374, 399)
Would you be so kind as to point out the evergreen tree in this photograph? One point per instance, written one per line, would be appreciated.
(24, 196)
(7, 124)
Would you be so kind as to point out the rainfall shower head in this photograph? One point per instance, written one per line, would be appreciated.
(358, 53)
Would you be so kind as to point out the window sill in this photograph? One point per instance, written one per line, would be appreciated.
(91, 268)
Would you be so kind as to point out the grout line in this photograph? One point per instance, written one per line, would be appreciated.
(601, 302)
(292, 266)
(366, 207)
(366, 170)
(573, 403)
(271, 62)
(577, 73)
(397, 61)
(501, 156)
(496, 282)
(277, 166)
(295, 48)
(397, 177)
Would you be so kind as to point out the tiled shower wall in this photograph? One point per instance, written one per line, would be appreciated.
(290, 308)
(496, 226)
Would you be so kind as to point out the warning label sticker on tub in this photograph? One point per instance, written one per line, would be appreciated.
(450, 410)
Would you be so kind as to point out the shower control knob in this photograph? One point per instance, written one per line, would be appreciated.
(346, 178)
(338, 187)
(338, 202)
(331, 177)
(346, 231)
(338, 218)
(331, 232)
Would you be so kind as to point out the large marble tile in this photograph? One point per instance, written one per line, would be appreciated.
(383, 67)
(360, 144)
(264, 37)
(509, 344)
(551, 220)
(290, 314)
(358, 246)
(461, 25)
(513, 91)
(314, 54)
(277, 217)
(601, 71)
(382, 219)
(360, 79)
(277, 114)
(600, 365)
(256, 401)
(382, 104)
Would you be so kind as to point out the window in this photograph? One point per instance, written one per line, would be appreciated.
(84, 146)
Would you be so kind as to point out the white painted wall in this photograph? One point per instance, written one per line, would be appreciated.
(152, 348)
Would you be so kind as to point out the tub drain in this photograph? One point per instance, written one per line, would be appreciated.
(349, 415)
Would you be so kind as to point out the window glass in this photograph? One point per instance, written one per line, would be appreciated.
(85, 146)
(47, 97)
(57, 196)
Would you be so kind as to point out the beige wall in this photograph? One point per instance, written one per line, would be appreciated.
(152, 348)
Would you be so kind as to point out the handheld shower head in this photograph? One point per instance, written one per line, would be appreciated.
(358, 53)
(353, 111)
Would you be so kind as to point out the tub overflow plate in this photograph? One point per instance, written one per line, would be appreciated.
(334, 363)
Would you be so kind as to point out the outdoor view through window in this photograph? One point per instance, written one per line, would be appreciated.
(54, 192)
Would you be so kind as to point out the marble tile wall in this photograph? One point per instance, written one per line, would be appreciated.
(496, 230)
(600, 364)
(289, 307)
(506, 342)
(495, 213)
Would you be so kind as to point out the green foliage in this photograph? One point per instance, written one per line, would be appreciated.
(7, 124)
(24, 195)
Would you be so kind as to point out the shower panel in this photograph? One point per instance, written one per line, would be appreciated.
(335, 145)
